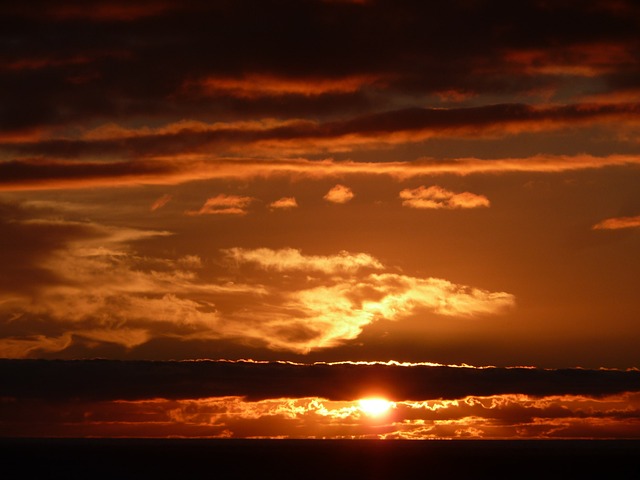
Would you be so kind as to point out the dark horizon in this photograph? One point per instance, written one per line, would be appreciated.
(321, 459)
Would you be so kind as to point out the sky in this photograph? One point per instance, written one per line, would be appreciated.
(325, 183)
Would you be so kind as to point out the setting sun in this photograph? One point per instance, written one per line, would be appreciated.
(374, 406)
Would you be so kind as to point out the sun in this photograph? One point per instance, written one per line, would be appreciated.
(374, 406)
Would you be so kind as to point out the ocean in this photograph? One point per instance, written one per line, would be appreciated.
(318, 459)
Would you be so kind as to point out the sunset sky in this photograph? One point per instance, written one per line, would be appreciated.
(328, 184)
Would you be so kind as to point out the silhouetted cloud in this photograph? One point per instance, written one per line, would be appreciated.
(304, 137)
(343, 54)
(137, 380)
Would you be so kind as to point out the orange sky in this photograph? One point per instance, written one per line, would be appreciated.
(315, 181)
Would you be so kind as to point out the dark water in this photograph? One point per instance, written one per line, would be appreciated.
(318, 459)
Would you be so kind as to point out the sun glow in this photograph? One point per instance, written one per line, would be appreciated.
(374, 406)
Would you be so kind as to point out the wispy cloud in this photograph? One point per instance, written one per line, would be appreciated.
(328, 315)
(94, 290)
(223, 205)
(42, 175)
(254, 86)
(306, 137)
(618, 223)
(161, 202)
(325, 312)
(435, 197)
(502, 416)
(291, 259)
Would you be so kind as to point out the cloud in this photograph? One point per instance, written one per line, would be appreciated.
(25, 175)
(190, 262)
(328, 315)
(256, 85)
(326, 74)
(140, 380)
(91, 288)
(617, 223)
(304, 137)
(321, 313)
(160, 202)
(488, 417)
(285, 203)
(339, 194)
(36, 344)
(291, 259)
(435, 197)
(587, 59)
(223, 205)
(94, 290)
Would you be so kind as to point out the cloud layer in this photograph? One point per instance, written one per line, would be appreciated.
(36, 174)
(94, 289)
(112, 102)
(139, 380)
(225, 399)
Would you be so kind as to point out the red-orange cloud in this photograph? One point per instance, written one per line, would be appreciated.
(284, 203)
(436, 197)
(47, 174)
(253, 86)
(618, 223)
(105, 293)
(223, 205)
(304, 137)
(339, 194)
(483, 417)
(160, 202)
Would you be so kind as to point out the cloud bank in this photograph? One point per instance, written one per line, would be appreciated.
(139, 380)
(37, 174)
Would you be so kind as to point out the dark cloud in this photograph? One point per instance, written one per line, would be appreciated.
(72, 62)
(24, 244)
(135, 380)
(41, 171)
(415, 123)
